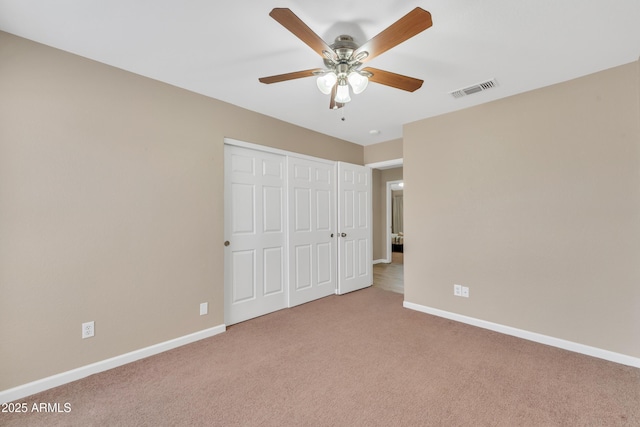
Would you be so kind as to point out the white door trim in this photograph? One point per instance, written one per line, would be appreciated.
(389, 217)
(387, 164)
(258, 147)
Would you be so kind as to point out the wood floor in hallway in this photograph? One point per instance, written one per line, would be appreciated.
(390, 276)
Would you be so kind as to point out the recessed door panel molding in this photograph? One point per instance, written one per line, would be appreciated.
(243, 281)
(243, 202)
(362, 260)
(324, 210)
(325, 262)
(313, 205)
(272, 168)
(302, 173)
(348, 177)
(363, 212)
(273, 270)
(243, 164)
(350, 260)
(255, 212)
(354, 227)
(324, 176)
(302, 265)
(302, 209)
(348, 209)
(273, 209)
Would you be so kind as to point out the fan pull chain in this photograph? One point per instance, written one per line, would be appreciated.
(343, 118)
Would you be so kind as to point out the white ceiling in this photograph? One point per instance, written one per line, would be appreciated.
(219, 49)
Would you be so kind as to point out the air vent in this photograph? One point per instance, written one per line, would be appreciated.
(474, 89)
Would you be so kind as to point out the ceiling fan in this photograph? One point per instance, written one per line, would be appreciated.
(344, 57)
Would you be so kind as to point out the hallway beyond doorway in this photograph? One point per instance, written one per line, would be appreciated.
(390, 276)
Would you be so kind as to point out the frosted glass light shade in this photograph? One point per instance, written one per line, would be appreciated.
(358, 82)
(326, 82)
(342, 96)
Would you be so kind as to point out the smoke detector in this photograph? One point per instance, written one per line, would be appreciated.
(470, 90)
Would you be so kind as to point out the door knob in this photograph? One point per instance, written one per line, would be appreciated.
(331, 234)
(343, 234)
(227, 243)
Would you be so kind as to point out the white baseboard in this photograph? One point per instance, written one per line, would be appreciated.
(531, 336)
(104, 365)
(379, 261)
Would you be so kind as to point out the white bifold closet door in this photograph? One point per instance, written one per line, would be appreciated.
(296, 229)
(255, 233)
(312, 230)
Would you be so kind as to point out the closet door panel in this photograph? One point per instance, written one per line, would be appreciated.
(355, 263)
(255, 234)
(312, 237)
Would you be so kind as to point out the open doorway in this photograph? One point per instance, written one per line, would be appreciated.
(388, 236)
(395, 222)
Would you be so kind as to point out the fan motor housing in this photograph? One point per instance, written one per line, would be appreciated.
(343, 47)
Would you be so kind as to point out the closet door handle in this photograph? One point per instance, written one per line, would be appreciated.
(343, 234)
(331, 234)
(227, 243)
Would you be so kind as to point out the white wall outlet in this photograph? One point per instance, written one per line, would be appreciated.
(457, 290)
(465, 292)
(88, 329)
(204, 308)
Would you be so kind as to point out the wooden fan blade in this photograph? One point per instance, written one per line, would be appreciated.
(288, 76)
(291, 22)
(333, 105)
(403, 29)
(398, 81)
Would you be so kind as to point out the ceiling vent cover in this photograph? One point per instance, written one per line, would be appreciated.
(474, 89)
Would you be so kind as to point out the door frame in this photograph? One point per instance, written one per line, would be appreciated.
(387, 164)
(390, 217)
(265, 148)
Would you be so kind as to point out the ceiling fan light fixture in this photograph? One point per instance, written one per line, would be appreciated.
(358, 82)
(342, 95)
(326, 82)
(343, 58)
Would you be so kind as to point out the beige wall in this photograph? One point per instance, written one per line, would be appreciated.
(390, 150)
(533, 202)
(111, 207)
(379, 214)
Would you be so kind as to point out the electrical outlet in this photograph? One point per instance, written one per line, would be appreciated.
(88, 329)
(457, 290)
(204, 308)
(465, 292)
